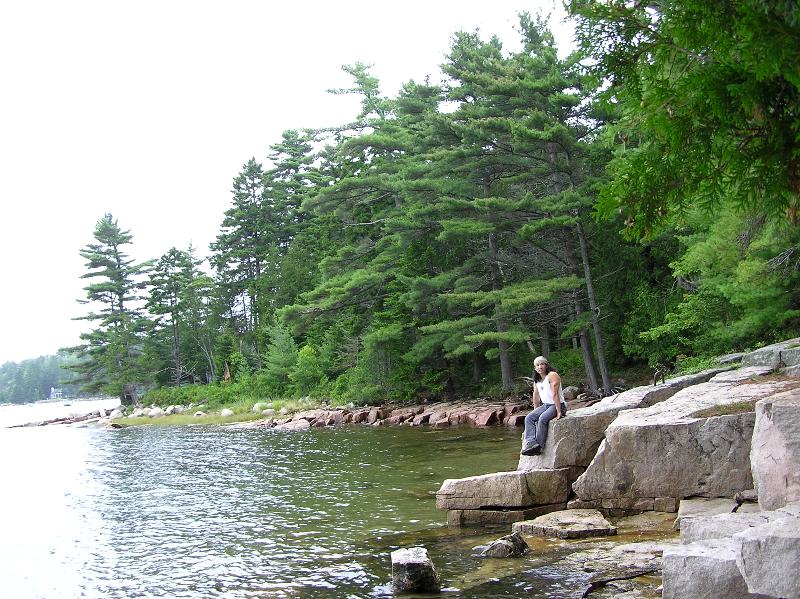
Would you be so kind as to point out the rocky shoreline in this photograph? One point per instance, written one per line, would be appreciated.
(698, 446)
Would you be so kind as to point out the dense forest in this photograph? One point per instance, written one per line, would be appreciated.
(33, 380)
(634, 203)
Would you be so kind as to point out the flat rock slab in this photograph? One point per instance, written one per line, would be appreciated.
(506, 490)
(567, 524)
(700, 528)
(574, 439)
(699, 506)
(671, 450)
(775, 454)
(488, 517)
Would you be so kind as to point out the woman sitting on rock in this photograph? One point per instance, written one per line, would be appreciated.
(548, 404)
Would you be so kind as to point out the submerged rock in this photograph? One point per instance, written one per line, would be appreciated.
(512, 545)
(567, 524)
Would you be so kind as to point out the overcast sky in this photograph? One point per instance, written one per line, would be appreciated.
(148, 109)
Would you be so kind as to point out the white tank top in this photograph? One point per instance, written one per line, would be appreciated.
(546, 392)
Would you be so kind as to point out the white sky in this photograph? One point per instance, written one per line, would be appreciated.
(148, 109)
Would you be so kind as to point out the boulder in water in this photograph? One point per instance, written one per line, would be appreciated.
(413, 571)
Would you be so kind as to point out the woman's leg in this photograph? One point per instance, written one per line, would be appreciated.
(542, 423)
(530, 426)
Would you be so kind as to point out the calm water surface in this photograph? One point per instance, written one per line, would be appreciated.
(217, 512)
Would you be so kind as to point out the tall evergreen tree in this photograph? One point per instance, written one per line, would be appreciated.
(110, 356)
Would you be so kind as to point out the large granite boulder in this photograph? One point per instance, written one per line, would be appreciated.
(505, 490)
(574, 439)
(736, 555)
(775, 454)
(705, 569)
(672, 449)
(768, 558)
(777, 355)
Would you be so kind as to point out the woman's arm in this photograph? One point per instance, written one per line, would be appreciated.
(535, 397)
(555, 383)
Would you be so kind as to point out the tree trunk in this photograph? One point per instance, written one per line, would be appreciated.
(506, 372)
(586, 348)
(595, 310)
(477, 367)
(546, 341)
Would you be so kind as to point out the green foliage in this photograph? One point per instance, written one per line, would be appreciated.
(429, 248)
(279, 361)
(32, 380)
(707, 95)
(111, 356)
(308, 375)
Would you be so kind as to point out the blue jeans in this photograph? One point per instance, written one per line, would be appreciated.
(536, 424)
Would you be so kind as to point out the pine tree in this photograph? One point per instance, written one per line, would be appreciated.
(110, 358)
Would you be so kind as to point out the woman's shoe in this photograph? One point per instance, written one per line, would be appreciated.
(532, 450)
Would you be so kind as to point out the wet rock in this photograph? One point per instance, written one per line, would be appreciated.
(294, 425)
(567, 524)
(505, 490)
(775, 455)
(486, 418)
(420, 419)
(483, 517)
(609, 562)
(413, 571)
(667, 450)
(512, 545)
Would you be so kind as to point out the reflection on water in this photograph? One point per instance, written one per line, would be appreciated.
(209, 511)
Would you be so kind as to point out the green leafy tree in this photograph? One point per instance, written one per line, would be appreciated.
(708, 99)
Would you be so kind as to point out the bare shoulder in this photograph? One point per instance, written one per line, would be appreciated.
(553, 377)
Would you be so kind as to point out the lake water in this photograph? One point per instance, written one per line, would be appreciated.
(202, 511)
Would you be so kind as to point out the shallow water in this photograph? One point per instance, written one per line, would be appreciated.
(212, 511)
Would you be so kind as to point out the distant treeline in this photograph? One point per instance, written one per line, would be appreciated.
(636, 202)
(32, 380)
